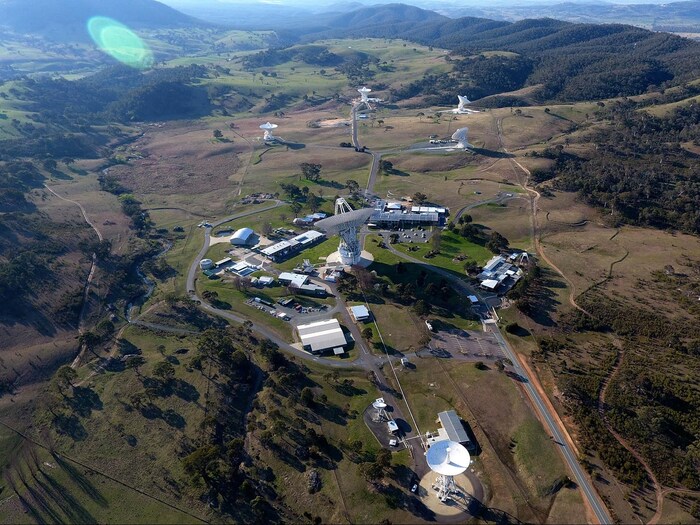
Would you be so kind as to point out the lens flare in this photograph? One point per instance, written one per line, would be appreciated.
(120, 42)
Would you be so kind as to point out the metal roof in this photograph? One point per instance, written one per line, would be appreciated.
(359, 312)
(242, 235)
(345, 220)
(322, 335)
(295, 279)
(453, 426)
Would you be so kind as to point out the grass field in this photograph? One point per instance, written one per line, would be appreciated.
(451, 246)
(236, 300)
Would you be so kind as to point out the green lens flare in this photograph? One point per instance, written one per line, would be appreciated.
(120, 42)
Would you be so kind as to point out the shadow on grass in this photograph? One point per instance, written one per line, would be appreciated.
(79, 479)
(84, 401)
(494, 154)
(70, 426)
(72, 508)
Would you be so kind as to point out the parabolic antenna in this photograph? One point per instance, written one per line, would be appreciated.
(352, 219)
(379, 403)
(462, 138)
(364, 91)
(268, 127)
(448, 458)
(345, 223)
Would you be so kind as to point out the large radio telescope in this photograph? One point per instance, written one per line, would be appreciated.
(268, 127)
(447, 459)
(463, 101)
(364, 92)
(462, 138)
(345, 224)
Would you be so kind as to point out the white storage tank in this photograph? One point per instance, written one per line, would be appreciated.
(206, 264)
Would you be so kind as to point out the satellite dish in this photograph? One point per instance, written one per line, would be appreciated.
(268, 127)
(448, 458)
(379, 403)
(462, 138)
(345, 223)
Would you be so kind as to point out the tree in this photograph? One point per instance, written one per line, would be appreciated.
(436, 240)
(50, 164)
(512, 328)
(217, 134)
(383, 459)
(497, 242)
(311, 171)
(164, 371)
(135, 363)
(421, 308)
(419, 198)
(367, 333)
(386, 166)
(352, 186)
(372, 471)
(313, 202)
(64, 377)
(296, 208)
(197, 464)
(266, 228)
(306, 397)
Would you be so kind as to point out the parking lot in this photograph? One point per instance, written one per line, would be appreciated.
(465, 343)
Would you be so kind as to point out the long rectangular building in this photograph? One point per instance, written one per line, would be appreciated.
(322, 335)
(283, 249)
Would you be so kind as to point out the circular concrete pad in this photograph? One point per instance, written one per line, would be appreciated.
(454, 506)
(366, 258)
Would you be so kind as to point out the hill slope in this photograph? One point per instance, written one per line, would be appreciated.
(571, 61)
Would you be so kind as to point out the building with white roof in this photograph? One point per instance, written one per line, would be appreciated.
(295, 280)
(283, 249)
(451, 429)
(322, 335)
(359, 313)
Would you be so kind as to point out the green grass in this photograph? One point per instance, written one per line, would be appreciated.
(315, 254)
(451, 246)
(236, 299)
(536, 456)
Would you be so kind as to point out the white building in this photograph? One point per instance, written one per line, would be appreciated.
(360, 313)
(243, 237)
(322, 335)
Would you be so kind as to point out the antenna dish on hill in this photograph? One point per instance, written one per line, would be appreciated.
(268, 127)
(462, 138)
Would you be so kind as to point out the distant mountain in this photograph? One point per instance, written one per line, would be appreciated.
(673, 16)
(569, 61)
(66, 19)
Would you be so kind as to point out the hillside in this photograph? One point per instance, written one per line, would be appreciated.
(65, 19)
(571, 61)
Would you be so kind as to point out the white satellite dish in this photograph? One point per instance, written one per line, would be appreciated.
(462, 138)
(345, 224)
(379, 403)
(268, 127)
(463, 101)
(447, 459)
(364, 91)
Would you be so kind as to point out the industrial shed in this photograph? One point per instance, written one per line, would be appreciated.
(322, 335)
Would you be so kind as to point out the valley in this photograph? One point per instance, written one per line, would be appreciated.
(141, 390)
